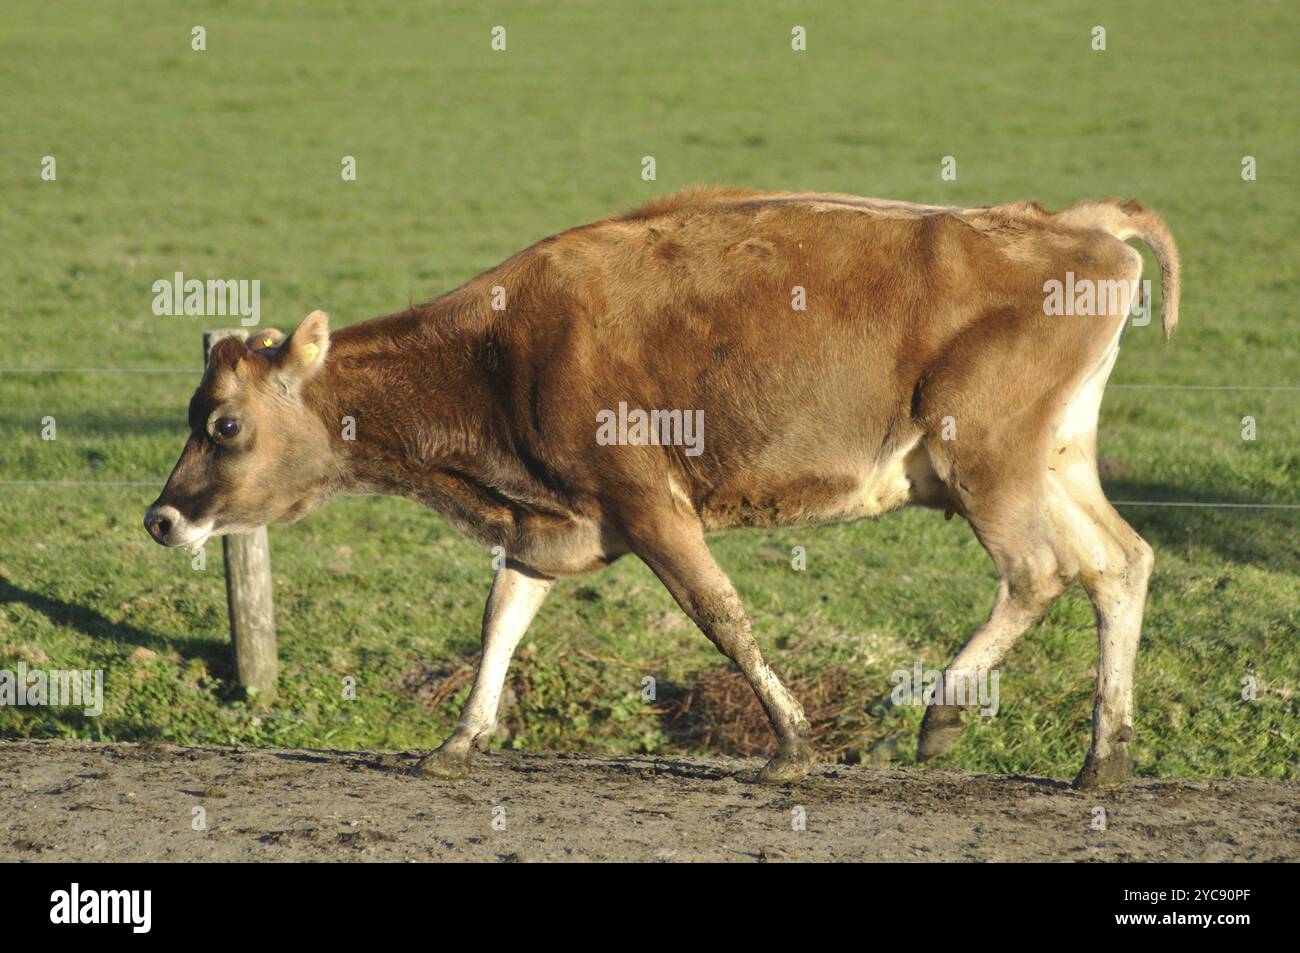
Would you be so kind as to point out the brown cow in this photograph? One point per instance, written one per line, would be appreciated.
(847, 356)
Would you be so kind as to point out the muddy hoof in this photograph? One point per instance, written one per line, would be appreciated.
(939, 731)
(1105, 772)
(787, 766)
(444, 765)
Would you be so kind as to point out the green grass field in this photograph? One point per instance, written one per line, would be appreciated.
(226, 164)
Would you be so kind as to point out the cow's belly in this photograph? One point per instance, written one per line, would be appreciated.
(805, 499)
(561, 546)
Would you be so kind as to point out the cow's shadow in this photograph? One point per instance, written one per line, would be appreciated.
(1239, 532)
(215, 653)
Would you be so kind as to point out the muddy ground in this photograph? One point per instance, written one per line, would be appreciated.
(80, 801)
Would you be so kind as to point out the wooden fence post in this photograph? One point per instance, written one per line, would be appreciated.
(248, 590)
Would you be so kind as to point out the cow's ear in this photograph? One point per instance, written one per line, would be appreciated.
(303, 354)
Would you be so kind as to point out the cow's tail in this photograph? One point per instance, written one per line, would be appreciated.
(1130, 219)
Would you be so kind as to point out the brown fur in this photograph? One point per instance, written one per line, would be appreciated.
(916, 315)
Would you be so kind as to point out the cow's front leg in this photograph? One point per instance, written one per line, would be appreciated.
(674, 548)
(516, 595)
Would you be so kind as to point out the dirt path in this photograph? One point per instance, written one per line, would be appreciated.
(80, 801)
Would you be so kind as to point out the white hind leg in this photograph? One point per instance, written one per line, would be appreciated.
(1114, 567)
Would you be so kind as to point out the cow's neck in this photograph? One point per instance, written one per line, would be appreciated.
(411, 414)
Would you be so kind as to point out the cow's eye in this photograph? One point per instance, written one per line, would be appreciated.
(227, 427)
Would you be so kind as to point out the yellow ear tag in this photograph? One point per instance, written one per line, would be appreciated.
(267, 342)
(311, 350)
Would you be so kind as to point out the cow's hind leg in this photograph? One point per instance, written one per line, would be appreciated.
(1035, 570)
(516, 595)
(674, 548)
(1115, 566)
(1070, 532)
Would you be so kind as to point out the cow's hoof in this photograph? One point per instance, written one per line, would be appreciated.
(787, 766)
(939, 731)
(1115, 768)
(444, 765)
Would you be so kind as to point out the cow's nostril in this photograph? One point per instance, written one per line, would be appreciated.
(158, 526)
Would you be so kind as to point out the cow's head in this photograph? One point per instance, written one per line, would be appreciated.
(256, 453)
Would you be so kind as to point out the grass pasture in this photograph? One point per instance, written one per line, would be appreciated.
(226, 163)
